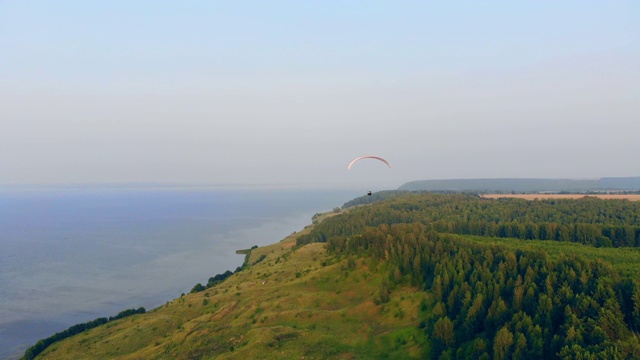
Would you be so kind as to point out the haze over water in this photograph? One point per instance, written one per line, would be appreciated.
(70, 255)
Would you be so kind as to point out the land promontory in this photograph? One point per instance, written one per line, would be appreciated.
(412, 275)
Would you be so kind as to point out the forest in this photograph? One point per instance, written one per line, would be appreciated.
(491, 301)
(592, 221)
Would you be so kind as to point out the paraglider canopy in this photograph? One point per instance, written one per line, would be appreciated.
(367, 157)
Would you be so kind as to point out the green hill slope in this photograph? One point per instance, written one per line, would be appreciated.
(413, 276)
(295, 303)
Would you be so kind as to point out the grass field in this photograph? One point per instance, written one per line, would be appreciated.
(626, 260)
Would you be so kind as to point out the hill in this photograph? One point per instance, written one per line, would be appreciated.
(525, 185)
(412, 276)
(288, 302)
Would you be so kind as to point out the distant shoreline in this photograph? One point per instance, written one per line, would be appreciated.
(527, 185)
(185, 186)
(630, 197)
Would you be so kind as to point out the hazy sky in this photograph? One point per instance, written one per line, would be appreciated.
(258, 92)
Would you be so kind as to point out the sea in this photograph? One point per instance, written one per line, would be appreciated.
(70, 254)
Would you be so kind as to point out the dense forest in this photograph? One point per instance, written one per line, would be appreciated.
(493, 301)
(592, 221)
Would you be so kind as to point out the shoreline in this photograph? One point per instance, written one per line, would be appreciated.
(630, 197)
(247, 256)
(206, 249)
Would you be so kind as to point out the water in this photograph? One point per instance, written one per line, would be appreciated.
(70, 255)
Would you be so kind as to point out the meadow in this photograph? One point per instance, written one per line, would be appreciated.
(625, 260)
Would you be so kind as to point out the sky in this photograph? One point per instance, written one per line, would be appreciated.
(288, 92)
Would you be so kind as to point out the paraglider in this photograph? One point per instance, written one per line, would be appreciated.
(367, 157)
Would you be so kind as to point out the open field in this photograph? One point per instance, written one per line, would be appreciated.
(625, 259)
(631, 197)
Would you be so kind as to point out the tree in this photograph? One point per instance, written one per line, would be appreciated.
(443, 331)
(475, 316)
(520, 350)
(197, 288)
(502, 343)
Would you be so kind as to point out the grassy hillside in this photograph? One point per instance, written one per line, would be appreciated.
(409, 277)
(296, 303)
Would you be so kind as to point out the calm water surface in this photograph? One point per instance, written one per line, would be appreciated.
(72, 255)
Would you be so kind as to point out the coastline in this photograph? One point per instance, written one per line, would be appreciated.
(630, 197)
(288, 242)
(202, 249)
